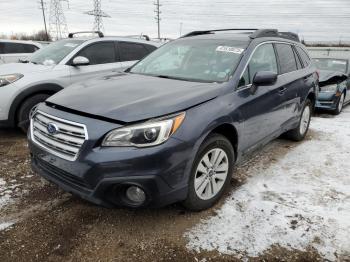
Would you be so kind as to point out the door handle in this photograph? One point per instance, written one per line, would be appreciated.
(282, 90)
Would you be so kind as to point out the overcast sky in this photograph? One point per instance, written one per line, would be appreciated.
(313, 19)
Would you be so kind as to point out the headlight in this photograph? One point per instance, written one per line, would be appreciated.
(329, 88)
(150, 133)
(8, 79)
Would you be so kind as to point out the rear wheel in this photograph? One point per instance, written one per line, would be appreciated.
(299, 133)
(27, 106)
(340, 104)
(211, 173)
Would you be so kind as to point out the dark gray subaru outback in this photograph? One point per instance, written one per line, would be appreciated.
(171, 128)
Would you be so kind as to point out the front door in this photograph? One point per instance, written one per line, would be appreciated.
(262, 110)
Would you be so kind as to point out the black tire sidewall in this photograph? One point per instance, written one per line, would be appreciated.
(26, 107)
(193, 202)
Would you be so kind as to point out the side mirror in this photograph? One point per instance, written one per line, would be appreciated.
(80, 61)
(264, 78)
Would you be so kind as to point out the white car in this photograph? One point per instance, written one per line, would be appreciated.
(58, 65)
(11, 51)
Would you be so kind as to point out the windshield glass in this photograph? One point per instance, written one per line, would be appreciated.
(331, 64)
(193, 60)
(55, 52)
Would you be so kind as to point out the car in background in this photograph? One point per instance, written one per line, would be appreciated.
(334, 84)
(60, 64)
(171, 127)
(11, 51)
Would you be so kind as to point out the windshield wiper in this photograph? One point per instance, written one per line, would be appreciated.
(183, 79)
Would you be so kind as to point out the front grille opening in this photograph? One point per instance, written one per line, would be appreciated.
(67, 139)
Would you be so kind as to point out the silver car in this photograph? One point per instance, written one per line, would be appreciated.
(58, 65)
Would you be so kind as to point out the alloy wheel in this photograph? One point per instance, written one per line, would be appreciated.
(305, 119)
(211, 173)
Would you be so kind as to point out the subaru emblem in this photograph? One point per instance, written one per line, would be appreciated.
(52, 128)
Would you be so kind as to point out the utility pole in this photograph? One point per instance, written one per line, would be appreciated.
(42, 7)
(58, 24)
(98, 14)
(158, 12)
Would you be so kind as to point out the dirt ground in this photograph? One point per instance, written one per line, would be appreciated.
(50, 225)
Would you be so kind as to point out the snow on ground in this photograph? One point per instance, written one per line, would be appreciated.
(301, 200)
(5, 198)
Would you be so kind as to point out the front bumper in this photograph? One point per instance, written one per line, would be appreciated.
(101, 174)
(327, 100)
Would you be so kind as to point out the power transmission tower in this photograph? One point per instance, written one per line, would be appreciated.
(58, 24)
(158, 12)
(98, 14)
(42, 7)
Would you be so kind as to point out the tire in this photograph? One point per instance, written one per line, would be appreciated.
(214, 145)
(340, 105)
(25, 109)
(299, 133)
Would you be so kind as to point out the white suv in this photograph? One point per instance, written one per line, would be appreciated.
(58, 65)
(11, 51)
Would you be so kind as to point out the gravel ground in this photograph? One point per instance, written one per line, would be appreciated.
(39, 222)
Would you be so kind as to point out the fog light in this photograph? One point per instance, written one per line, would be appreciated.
(136, 194)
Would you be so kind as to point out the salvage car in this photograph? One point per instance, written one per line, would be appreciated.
(334, 84)
(172, 127)
(60, 64)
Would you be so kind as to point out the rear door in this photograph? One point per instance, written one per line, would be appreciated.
(261, 110)
(292, 80)
(130, 52)
(103, 59)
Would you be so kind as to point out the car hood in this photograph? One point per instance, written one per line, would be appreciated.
(23, 68)
(130, 97)
(331, 77)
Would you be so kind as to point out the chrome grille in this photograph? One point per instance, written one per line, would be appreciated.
(67, 139)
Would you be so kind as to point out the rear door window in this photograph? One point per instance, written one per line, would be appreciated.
(286, 58)
(99, 53)
(304, 56)
(263, 59)
(131, 51)
(13, 48)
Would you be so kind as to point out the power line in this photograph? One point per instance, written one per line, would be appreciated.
(98, 14)
(58, 24)
(42, 7)
(158, 12)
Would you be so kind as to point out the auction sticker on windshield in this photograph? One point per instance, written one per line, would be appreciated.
(229, 49)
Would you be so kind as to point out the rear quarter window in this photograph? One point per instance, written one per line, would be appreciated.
(304, 56)
(132, 51)
(286, 58)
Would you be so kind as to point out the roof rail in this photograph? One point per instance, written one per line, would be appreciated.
(255, 33)
(274, 33)
(205, 32)
(146, 37)
(99, 33)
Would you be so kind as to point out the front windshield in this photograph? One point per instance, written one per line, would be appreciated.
(331, 64)
(55, 52)
(193, 60)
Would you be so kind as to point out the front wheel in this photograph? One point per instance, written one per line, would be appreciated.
(299, 133)
(211, 173)
(340, 104)
(27, 106)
